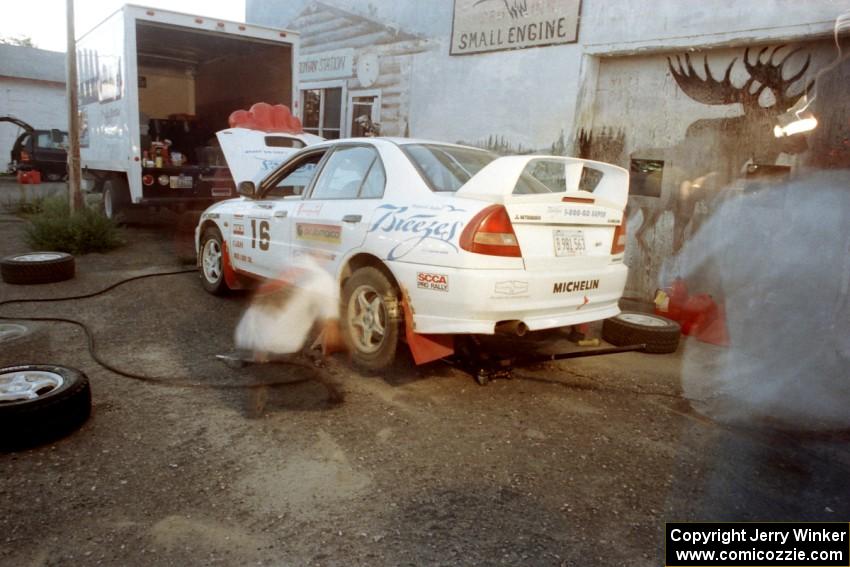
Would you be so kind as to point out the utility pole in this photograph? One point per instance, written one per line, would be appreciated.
(74, 193)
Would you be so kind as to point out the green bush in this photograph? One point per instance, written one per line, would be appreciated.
(87, 230)
(29, 207)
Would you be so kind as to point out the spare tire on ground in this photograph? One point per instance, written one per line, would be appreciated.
(659, 334)
(37, 268)
(41, 402)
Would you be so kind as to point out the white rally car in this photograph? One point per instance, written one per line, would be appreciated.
(458, 239)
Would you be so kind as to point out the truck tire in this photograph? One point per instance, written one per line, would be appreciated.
(116, 197)
(211, 261)
(661, 335)
(37, 268)
(369, 319)
(41, 402)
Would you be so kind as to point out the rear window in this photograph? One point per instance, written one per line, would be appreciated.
(283, 142)
(45, 140)
(550, 176)
(447, 168)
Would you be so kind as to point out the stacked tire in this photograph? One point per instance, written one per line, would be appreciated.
(659, 334)
(40, 403)
(37, 268)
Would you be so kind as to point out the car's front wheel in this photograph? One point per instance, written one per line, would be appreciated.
(370, 320)
(212, 261)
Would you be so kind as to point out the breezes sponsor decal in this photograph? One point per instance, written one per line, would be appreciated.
(578, 285)
(401, 221)
(436, 282)
(329, 233)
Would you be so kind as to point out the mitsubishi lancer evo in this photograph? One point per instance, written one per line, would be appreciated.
(429, 238)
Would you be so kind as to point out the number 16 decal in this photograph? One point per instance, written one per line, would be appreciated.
(264, 234)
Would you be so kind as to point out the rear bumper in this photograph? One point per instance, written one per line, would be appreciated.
(474, 301)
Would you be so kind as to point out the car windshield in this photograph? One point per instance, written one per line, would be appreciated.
(447, 168)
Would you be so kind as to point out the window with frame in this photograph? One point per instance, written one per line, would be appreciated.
(296, 181)
(447, 168)
(351, 172)
(322, 112)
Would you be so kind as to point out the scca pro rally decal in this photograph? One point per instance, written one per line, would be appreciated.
(332, 234)
(420, 227)
(436, 282)
(579, 285)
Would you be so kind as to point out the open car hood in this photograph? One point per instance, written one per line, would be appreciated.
(253, 154)
(17, 122)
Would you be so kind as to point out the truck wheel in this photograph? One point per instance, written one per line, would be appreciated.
(37, 268)
(370, 323)
(116, 197)
(40, 402)
(211, 251)
(661, 335)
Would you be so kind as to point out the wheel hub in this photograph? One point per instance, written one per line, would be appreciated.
(211, 260)
(27, 384)
(11, 331)
(39, 257)
(367, 317)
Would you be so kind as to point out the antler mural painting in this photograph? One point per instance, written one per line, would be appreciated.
(716, 149)
(516, 8)
(765, 94)
(765, 73)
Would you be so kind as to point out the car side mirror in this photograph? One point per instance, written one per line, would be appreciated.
(247, 189)
(56, 136)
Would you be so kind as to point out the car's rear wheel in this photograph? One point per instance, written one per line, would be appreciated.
(116, 198)
(370, 321)
(212, 261)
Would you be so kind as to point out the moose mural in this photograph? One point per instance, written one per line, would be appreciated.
(729, 143)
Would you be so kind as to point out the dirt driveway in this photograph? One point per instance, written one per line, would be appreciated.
(572, 463)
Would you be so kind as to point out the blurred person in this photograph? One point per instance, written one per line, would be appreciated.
(284, 312)
(777, 253)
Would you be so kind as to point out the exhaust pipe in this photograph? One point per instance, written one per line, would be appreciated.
(515, 327)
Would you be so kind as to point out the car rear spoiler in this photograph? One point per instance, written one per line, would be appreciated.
(497, 179)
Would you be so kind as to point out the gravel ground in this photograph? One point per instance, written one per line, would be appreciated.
(572, 463)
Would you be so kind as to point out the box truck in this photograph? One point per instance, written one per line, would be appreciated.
(154, 88)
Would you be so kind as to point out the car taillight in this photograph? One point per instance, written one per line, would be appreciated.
(147, 179)
(491, 232)
(25, 155)
(619, 244)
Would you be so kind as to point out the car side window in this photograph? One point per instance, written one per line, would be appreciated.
(376, 179)
(345, 173)
(297, 180)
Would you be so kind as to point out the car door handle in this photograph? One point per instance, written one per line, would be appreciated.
(280, 214)
(352, 218)
(264, 205)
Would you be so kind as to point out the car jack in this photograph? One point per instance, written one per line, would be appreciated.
(485, 366)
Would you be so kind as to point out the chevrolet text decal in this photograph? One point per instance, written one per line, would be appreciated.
(580, 285)
(420, 226)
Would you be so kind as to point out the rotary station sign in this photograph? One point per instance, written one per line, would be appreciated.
(480, 26)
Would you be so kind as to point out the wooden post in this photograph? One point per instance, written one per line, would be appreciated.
(74, 178)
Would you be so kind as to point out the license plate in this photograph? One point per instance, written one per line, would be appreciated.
(569, 242)
(180, 182)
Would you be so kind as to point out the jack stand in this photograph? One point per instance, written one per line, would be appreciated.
(484, 367)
